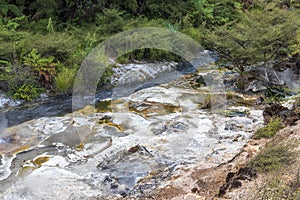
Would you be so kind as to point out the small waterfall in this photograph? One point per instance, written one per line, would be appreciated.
(133, 77)
(8, 102)
(135, 73)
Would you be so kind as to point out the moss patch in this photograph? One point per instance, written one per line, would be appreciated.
(103, 106)
(269, 130)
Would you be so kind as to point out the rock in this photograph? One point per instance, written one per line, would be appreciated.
(260, 100)
(258, 79)
(255, 86)
(50, 183)
(6, 101)
(276, 110)
(142, 142)
(233, 180)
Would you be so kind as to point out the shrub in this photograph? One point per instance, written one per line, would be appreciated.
(269, 130)
(273, 157)
(276, 188)
(44, 68)
(27, 92)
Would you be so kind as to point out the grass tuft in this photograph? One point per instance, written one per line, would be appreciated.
(269, 130)
(65, 79)
(274, 157)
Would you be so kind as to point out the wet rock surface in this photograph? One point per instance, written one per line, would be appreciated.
(130, 149)
(160, 133)
(268, 80)
(5, 101)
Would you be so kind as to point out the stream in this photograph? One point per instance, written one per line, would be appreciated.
(158, 119)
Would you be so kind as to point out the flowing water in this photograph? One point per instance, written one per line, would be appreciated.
(155, 121)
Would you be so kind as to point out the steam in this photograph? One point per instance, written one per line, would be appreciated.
(3, 126)
(291, 79)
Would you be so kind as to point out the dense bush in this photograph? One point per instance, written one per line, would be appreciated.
(42, 41)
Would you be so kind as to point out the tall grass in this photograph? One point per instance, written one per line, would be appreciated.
(65, 79)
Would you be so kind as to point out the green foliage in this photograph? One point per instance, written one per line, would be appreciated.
(275, 93)
(65, 79)
(50, 26)
(106, 77)
(275, 188)
(296, 47)
(20, 82)
(16, 44)
(269, 130)
(103, 106)
(261, 36)
(13, 74)
(44, 68)
(149, 55)
(60, 45)
(212, 12)
(27, 92)
(9, 9)
(194, 33)
(110, 21)
(12, 24)
(273, 157)
(41, 37)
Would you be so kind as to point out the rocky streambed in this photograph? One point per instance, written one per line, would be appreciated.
(128, 146)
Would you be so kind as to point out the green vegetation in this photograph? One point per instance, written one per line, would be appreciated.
(44, 68)
(269, 130)
(45, 41)
(103, 106)
(274, 157)
(261, 36)
(64, 80)
(277, 162)
(27, 92)
(276, 188)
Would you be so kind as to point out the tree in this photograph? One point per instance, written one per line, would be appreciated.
(261, 36)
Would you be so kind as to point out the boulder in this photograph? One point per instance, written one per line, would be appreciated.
(276, 110)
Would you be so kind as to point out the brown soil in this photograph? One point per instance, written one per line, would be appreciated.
(237, 181)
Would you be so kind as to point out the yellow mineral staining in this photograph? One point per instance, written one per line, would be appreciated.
(87, 110)
(118, 104)
(102, 106)
(110, 123)
(40, 160)
(25, 171)
(20, 149)
(80, 147)
(147, 108)
(240, 99)
(154, 172)
(206, 104)
(29, 166)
